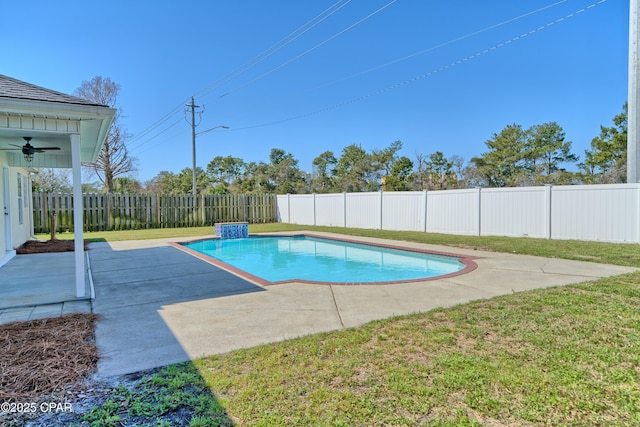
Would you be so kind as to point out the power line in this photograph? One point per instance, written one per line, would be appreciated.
(452, 41)
(318, 19)
(269, 52)
(338, 34)
(427, 74)
(438, 46)
(137, 147)
(273, 49)
(169, 139)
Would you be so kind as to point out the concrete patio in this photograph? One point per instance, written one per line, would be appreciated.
(41, 285)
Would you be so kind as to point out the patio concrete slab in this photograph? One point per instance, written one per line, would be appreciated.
(132, 334)
(19, 314)
(40, 285)
(166, 306)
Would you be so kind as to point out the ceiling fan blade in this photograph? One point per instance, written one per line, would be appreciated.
(42, 149)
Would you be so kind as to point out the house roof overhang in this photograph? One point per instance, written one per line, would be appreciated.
(50, 124)
(49, 118)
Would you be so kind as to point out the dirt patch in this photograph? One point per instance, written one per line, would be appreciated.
(47, 246)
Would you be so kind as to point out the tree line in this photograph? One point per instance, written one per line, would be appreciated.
(514, 157)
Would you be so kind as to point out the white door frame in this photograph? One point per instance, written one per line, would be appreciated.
(7, 209)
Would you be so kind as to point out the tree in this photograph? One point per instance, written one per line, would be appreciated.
(91, 187)
(545, 150)
(256, 179)
(324, 166)
(161, 183)
(113, 160)
(224, 172)
(606, 162)
(170, 183)
(354, 170)
(503, 164)
(284, 173)
(185, 181)
(383, 160)
(458, 169)
(126, 185)
(436, 172)
(52, 181)
(398, 177)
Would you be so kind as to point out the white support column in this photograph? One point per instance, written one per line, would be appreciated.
(77, 215)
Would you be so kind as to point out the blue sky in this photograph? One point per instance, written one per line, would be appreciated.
(368, 72)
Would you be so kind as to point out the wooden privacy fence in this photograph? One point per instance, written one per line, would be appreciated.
(103, 212)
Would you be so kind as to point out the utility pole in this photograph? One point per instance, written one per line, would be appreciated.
(633, 103)
(193, 107)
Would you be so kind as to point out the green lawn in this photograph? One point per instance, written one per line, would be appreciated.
(562, 356)
(559, 356)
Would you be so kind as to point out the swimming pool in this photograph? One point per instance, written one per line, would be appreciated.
(303, 258)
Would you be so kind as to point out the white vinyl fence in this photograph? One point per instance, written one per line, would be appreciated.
(608, 213)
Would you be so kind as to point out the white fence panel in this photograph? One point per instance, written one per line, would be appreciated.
(301, 209)
(363, 210)
(330, 209)
(583, 212)
(595, 212)
(403, 210)
(453, 212)
(514, 212)
(282, 208)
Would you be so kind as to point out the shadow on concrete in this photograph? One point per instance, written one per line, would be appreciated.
(132, 287)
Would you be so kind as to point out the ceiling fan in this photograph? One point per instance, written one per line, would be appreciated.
(29, 150)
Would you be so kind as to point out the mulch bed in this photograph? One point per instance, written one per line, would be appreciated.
(47, 246)
(46, 356)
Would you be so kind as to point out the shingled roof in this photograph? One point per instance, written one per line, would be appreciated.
(13, 88)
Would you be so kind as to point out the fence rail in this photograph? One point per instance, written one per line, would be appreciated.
(103, 212)
(583, 212)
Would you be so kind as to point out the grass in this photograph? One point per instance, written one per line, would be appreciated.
(562, 356)
(176, 395)
(559, 356)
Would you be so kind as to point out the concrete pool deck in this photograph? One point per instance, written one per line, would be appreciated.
(159, 305)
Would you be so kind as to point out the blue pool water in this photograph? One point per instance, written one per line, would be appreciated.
(280, 258)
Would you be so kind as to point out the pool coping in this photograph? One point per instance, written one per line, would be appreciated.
(467, 260)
